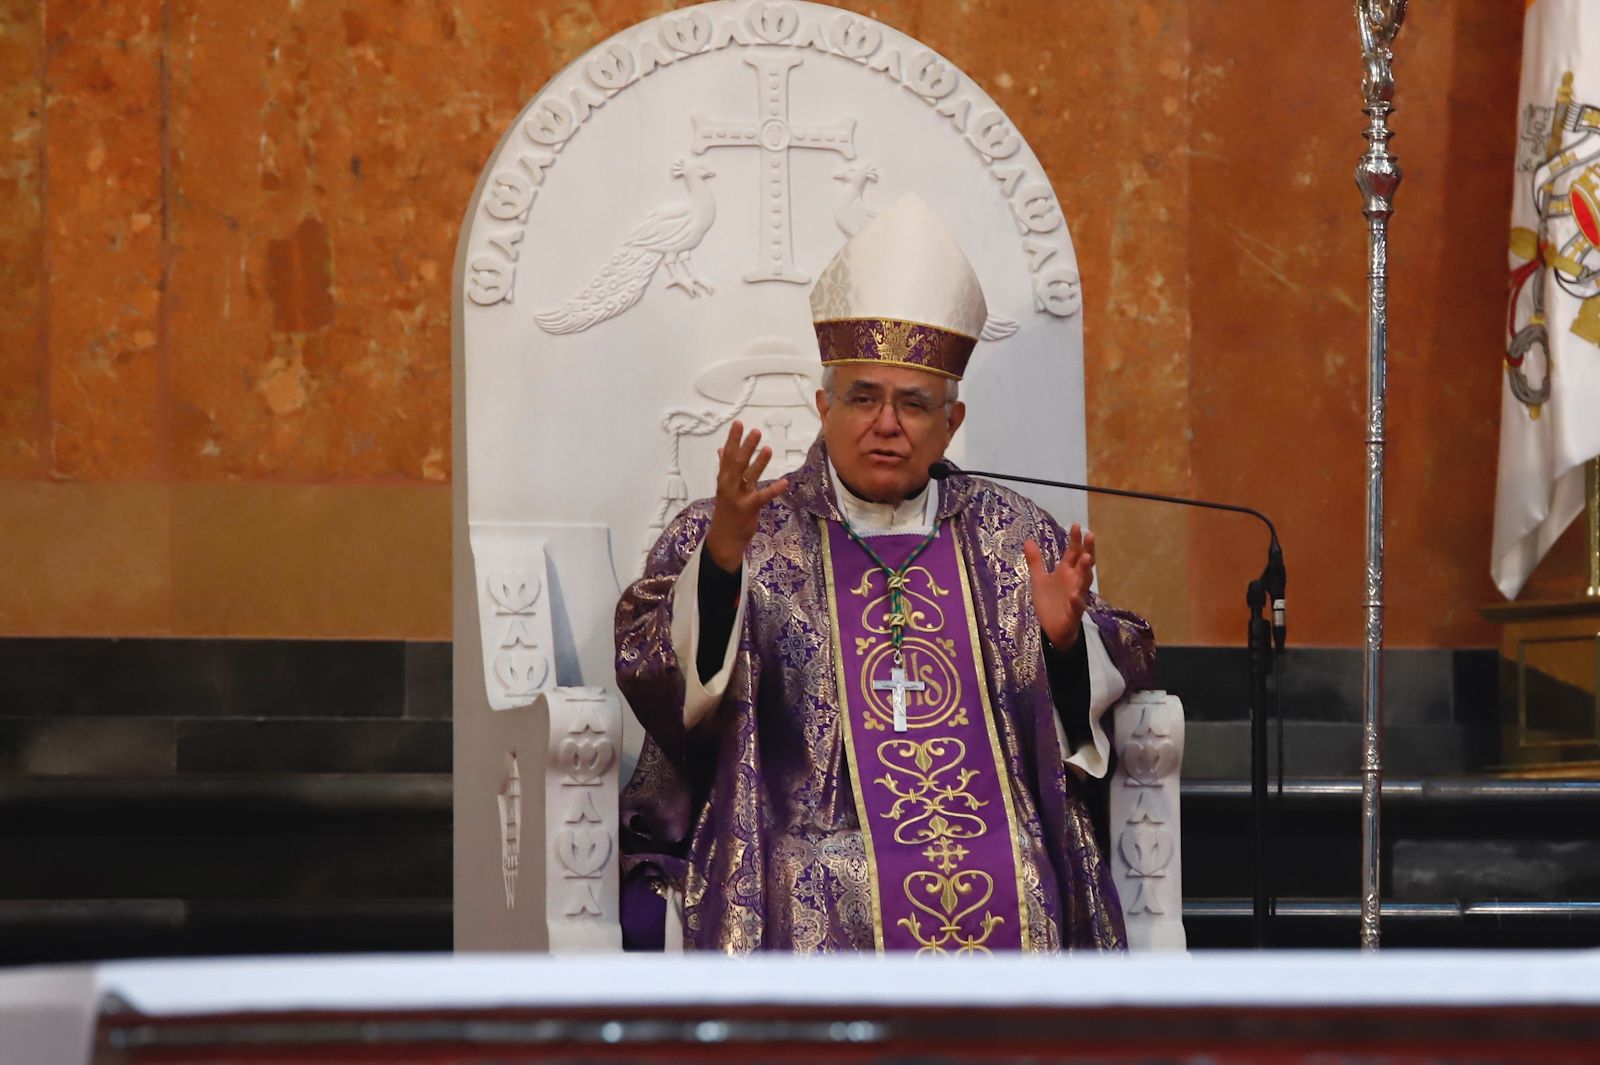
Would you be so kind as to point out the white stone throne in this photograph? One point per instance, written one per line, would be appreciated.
(633, 274)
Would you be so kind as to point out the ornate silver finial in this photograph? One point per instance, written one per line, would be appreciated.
(1379, 22)
(1377, 176)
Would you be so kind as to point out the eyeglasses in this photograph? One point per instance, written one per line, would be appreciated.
(911, 409)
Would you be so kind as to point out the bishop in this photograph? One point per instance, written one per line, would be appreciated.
(789, 796)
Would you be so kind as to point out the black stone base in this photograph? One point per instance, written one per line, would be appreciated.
(214, 796)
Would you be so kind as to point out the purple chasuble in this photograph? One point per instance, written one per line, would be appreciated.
(751, 815)
(934, 799)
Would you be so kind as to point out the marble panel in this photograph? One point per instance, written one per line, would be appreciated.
(22, 277)
(85, 559)
(1100, 92)
(1277, 369)
(315, 213)
(104, 205)
(368, 561)
(1141, 559)
(1119, 156)
(300, 173)
(1279, 364)
(1449, 313)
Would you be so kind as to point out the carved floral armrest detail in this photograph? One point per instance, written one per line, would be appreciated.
(1146, 833)
(582, 867)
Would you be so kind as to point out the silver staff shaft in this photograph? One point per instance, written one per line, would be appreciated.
(1377, 176)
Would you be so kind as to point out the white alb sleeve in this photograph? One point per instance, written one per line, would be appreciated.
(1106, 686)
(700, 699)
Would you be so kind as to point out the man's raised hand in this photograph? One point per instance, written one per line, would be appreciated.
(1061, 595)
(739, 497)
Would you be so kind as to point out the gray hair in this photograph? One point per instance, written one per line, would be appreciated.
(952, 387)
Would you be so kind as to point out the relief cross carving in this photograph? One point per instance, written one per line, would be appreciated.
(772, 132)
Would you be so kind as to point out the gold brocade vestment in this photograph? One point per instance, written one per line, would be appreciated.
(751, 816)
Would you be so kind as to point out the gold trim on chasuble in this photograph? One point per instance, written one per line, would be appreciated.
(857, 795)
(1012, 824)
(919, 762)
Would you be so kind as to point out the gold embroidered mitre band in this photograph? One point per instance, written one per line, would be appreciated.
(900, 291)
(926, 347)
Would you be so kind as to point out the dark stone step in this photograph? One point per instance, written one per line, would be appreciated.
(163, 746)
(314, 837)
(43, 677)
(315, 747)
(319, 795)
(246, 678)
(284, 798)
(1221, 749)
(302, 864)
(1544, 869)
(1452, 837)
(1486, 791)
(38, 931)
(1221, 923)
(1421, 686)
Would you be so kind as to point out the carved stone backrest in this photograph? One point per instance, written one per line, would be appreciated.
(632, 275)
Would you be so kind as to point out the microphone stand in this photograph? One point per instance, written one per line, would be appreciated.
(1264, 641)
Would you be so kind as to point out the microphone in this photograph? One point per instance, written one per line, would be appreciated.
(1274, 579)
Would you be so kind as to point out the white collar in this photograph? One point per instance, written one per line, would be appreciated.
(914, 515)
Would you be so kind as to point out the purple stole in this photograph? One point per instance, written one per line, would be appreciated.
(934, 801)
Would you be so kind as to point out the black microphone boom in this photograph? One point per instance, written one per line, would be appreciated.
(942, 469)
(1274, 578)
(1268, 587)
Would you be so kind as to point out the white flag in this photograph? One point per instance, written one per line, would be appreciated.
(1550, 401)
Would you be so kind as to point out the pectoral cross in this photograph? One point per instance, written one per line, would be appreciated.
(897, 686)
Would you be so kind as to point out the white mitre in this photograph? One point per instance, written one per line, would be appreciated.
(901, 291)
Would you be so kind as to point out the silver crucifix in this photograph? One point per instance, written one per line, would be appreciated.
(897, 686)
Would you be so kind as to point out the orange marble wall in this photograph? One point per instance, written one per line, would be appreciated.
(22, 268)
(228, 233)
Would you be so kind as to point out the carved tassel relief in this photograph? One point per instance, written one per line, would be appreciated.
(510, 803)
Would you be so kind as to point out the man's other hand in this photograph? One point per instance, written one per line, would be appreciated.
(739, 499)
(1061, 595)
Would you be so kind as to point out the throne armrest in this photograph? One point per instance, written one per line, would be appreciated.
(583, 864)
(1146, 837)
(582, 908)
